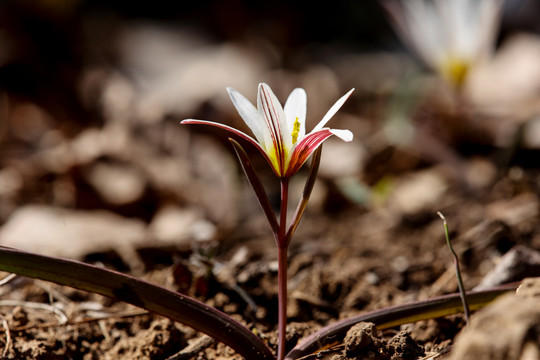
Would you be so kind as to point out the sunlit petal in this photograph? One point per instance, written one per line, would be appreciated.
(295, 112)
(280, 133)
(305, 148)
(344, 135)
(332, 111)
(271, 112)
(248, 112)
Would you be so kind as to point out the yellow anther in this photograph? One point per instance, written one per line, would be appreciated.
(456, 71)
(296, 130)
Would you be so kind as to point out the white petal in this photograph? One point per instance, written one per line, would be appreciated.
(418, 24)
(332, 111)
(248, 112)
(428, 33)
(488, 24)
(295, 107)
(276, 129)
(344, 135)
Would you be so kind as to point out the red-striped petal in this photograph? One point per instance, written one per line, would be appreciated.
(305, 148)
(238, 133)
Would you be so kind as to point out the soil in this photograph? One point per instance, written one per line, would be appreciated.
(128, 188)
(344, 260)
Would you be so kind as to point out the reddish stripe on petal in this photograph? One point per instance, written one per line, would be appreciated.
(305, 148)
(272, 120)
(236, 132)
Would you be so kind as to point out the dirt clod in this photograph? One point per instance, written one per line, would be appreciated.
(404, 347)
(360, 337)
(362, 341)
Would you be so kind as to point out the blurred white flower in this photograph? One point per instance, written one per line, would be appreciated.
(450, 36)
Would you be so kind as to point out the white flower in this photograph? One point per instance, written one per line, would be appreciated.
(450, 36)
(280, 133)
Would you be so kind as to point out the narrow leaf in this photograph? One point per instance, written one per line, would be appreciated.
(458, 271)
(140, 293)
(256, 184)
(308, 188)
(397, 315)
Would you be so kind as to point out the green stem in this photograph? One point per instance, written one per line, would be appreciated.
(458, 271)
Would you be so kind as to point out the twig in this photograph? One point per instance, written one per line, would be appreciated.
(82, 321)
(104, 331)
(63, 319)
(5, 325)
(193, 349)
(7, 279)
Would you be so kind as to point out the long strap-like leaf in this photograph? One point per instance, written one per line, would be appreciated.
(396, 315)
(140, 293)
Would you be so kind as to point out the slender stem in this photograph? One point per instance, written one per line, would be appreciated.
(282, 234)
(462, 292)
(282, 245)
(282, 301)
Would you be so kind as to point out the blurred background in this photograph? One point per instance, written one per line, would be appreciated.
(92, 92)
(95, 166)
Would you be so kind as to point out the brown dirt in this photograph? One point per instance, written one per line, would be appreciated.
(341, 263)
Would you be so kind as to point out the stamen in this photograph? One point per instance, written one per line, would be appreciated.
(296, 130)
(456, 71)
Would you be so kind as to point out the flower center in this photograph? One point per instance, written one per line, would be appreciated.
(296, 130)
(456, 71)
